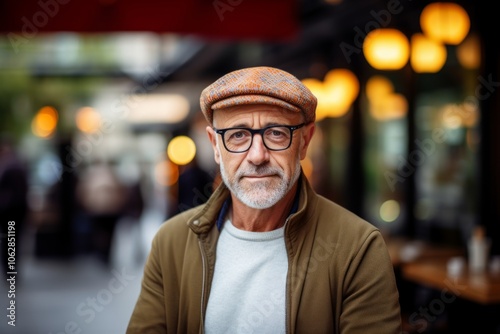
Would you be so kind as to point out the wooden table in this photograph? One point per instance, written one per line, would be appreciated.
(481, 288)
(403, 251)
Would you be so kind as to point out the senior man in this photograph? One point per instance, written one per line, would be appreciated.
(265, 254)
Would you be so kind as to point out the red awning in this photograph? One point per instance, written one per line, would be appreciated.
(234, 19)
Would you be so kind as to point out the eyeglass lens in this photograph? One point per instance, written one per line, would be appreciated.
(275, 138)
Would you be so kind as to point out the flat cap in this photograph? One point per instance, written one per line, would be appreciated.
(254, 85)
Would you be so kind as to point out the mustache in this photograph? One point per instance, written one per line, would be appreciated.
(260, 170)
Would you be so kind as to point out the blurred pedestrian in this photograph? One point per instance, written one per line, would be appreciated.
(103, 198)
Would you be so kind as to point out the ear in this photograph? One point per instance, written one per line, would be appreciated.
(212, 136)
(307, 135)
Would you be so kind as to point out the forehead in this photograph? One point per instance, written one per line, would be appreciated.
(249, 114)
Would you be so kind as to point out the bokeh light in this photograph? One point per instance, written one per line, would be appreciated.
(45, 121)
(390, 210)
(88, 120)
(445, 21)
(335, 94)
(166, 173)
(181, 150)
(427, 55)
(386, 49)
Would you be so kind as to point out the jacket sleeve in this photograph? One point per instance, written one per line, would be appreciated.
(148, 315)
(371, 298)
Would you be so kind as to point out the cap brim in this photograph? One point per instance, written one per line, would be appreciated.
(253, 99)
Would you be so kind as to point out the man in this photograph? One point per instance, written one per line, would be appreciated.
(265, 254)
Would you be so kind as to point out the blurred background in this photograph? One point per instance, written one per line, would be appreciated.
(102, 139)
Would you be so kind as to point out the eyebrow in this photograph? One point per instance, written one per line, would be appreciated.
(243, 125)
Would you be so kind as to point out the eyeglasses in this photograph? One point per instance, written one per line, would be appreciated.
(274, 137)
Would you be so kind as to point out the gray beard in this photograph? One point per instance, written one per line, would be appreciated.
(263, 195)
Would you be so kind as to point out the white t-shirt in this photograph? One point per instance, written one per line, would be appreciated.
(248, 288)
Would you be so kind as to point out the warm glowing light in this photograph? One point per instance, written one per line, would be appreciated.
(452, 118)
(470, 114)
(166, 173)
(88, 120)
(44, 123)
(181, 150)
(427, 55)
(390, 211)
(384, 103)
(335, 94)
(469, 52)
(390, 106)
(157, 108)
(445, 21)
(316, 87)
(386, 49)
(378, 86)
(460, 115)
(342, 88)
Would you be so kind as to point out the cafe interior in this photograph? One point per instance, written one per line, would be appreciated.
(100, 102)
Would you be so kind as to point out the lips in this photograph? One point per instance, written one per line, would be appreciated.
(259, 176)
(258, 173)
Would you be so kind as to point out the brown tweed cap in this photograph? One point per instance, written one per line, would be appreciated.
(255, 85)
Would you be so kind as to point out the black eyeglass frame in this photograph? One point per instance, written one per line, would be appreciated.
(261, 131)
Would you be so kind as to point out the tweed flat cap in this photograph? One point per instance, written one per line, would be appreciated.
(253, 85)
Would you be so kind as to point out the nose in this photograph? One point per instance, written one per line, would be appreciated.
(258, 153)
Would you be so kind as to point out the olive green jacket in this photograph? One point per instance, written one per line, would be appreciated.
(340, 277)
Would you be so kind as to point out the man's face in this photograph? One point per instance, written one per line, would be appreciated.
(260, 177)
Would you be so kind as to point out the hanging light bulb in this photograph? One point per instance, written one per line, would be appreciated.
(427, 55)
(445, 21)
(386, 49)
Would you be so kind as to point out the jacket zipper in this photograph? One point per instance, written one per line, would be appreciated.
(287, 308)
(202, 306)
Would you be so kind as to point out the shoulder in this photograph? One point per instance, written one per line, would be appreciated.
(335, 216)
(176, 225)
(329, 216)
(351, 234)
